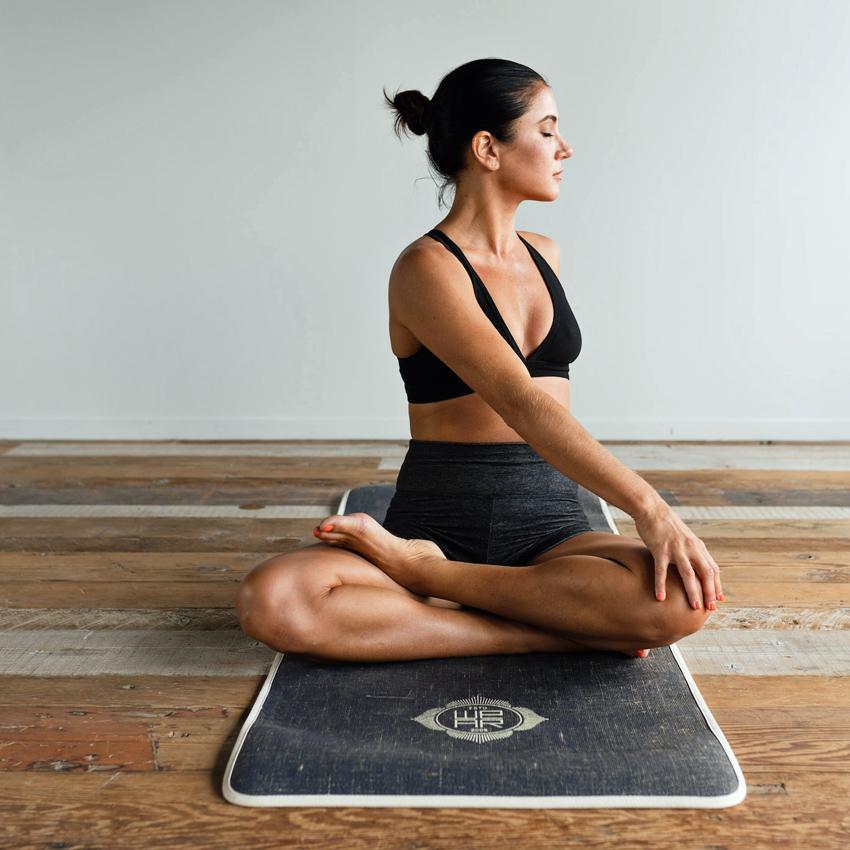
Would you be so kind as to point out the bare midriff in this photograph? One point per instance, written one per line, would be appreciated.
(469, 419)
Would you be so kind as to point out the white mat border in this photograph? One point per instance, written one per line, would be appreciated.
(599, 801)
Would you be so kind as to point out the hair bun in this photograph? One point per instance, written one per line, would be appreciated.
(426, 114)
(413, 110)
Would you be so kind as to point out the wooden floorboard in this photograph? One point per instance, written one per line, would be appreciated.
(125, 676)
(784, 808)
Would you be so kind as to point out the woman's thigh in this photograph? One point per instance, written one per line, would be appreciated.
(636, 557)
(630, 553)
(301, 578)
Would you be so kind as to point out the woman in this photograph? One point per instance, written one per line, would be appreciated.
(484, 548)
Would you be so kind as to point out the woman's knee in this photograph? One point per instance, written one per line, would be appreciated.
(274, 603)
(673, 618)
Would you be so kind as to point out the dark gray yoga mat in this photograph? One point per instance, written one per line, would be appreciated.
(534, 730)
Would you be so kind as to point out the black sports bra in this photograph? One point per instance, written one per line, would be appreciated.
(426, 378)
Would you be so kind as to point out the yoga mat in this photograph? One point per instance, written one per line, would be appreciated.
(590, 729)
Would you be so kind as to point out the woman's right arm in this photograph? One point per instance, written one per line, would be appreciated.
(434, 299)
(558, 437)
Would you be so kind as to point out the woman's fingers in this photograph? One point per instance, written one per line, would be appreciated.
(709, 587)
(689, 578)
(671, 542)
(702, 587)
(715, 570)
(714, 578)
(661, 564)
(702, 564)
(717, 582)
(705, 580)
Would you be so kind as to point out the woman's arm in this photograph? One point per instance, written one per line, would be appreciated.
(432, 296)
(559, 438)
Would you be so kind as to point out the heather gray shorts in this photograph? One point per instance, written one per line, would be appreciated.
(484, 503)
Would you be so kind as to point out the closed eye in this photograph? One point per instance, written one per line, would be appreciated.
(547, 135)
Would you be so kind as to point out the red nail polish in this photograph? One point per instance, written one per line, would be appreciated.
(328, 528)
(659, 596)
(696, 603)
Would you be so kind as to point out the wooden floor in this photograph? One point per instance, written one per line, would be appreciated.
(125, 677)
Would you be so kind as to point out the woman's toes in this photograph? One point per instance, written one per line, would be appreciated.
(637, 653)
(330, 523)
(327, 531)
(333, 527)
(352, 530)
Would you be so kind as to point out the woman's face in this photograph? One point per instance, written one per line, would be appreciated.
(527, 167)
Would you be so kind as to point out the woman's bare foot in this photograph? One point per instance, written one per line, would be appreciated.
(362, 533)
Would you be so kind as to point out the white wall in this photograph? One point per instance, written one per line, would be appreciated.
(200, 203)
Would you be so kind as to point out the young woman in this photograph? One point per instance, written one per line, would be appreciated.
(484, 548)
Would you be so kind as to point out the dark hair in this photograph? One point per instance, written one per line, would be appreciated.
(485, 94)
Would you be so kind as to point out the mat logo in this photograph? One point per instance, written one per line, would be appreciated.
(479, 719)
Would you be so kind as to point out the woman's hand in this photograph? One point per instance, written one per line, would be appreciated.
(671, 541)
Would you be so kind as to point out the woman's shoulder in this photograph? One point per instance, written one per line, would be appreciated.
(422, 255)
(423, 243)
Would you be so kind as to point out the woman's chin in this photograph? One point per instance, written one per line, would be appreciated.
(548, 194)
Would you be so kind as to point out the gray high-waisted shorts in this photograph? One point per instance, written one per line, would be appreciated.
(484, 503)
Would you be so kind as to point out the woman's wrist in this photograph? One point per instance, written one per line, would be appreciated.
(650, 505)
